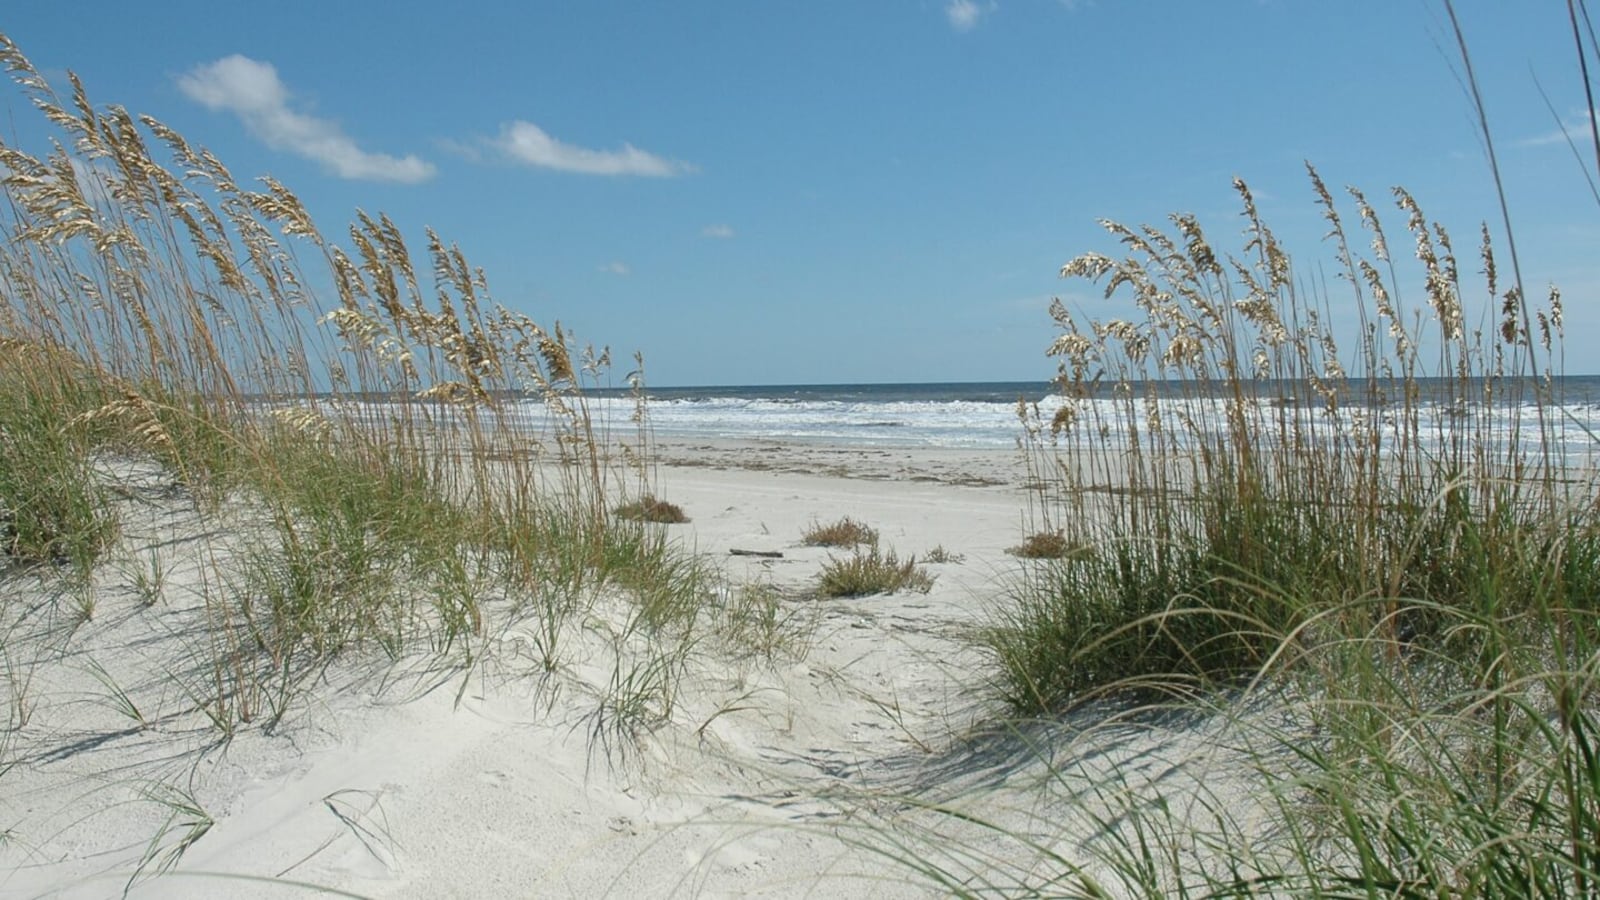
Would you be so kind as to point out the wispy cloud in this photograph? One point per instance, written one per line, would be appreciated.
(964, 15)
(1575, 129)
(527, 143)
(251, 90)
(616, 268)
(721, 232)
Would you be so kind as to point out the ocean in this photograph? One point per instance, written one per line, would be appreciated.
(977, 415)
(964, 415)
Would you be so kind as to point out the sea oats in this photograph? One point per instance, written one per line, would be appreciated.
(1440, 282)
(213, 169)
(1330, 212)
(1195, 245)
(1486, 253)
(1510, 317)
(280, 205)
(306, 421)
(1370, 221)
(1091, 266)
(139, 416)
(1132, 239)
(1072, 345)
(1183, 351)
(1159, 239)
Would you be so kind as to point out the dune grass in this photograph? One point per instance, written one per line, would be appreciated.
(1260, 486)
(1413, 581)
(51, 508)
(356, 409)
(872, 571)
(1372, 560)
(844, 532)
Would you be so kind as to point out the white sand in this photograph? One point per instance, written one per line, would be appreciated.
(408, 779)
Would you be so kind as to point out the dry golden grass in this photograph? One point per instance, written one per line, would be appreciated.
(650, 509)
(1043, 545)
(845, 532)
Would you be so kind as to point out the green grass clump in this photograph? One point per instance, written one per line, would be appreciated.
(845, 532)
(872, 571)
(650, 509)
(52, 510)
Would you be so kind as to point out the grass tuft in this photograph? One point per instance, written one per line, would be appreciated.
(1043, 545)
(872, 571)
(649, 509)
(52, 509)
(845, 532)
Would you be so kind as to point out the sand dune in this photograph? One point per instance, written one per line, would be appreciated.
(413, 778)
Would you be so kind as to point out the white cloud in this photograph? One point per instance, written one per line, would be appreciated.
(964, 15)
(251, 90)
(1575, 129)
(723, 232)
(616, 268)
(529, 144)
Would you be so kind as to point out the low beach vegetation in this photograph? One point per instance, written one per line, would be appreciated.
(761, 624)
(1272, 502)
(1341, 517)
(845, 532)
(342, 426)
(872, 571)
(1043, 545)
(650, 509)
(1410, 583)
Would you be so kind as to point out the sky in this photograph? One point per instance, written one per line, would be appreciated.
(781, 192)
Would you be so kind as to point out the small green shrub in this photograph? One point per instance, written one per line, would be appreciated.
(846, 532)
(872, 571)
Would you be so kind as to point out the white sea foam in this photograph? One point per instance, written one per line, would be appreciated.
(1103, 422)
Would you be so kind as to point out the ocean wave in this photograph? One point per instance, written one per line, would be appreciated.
(1102, 422)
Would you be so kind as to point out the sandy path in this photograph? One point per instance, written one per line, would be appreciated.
(406, 780)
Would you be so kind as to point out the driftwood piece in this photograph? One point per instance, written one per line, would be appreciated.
(764, 554)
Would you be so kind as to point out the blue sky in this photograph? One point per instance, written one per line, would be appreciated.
(780, 192)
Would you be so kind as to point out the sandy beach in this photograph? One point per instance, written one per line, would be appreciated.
(409, 778)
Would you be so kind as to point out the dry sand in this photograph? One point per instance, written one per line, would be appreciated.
(409, 779)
